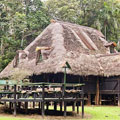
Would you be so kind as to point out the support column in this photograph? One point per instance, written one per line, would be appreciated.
(77, 108)
(61, 106)
(47, 105)
(97, 93)
(39, 105)
(43, 102)
(65, 113)
(10, 105)
(33, 105)
(55, 106)
(73, 107)
(15, 105)
(26, 107)
(82, 102)
(19, 105)
(89, 99)
(118, 92)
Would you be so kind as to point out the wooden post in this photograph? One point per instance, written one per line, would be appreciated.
(55, 106)
(65, 113)
(39, 105)
(63, 98)
(26, 107)
(61, 106)
(14, 113)
(33, 105)
(10, 105)
(100, 99)
(89, 99)
(82, 103)
(19, 105)
(97, 93)
(42, 106)
(77, 108)
(65, 78)
(73, 106)
(115, 99)
(47, 105)
(118, 92)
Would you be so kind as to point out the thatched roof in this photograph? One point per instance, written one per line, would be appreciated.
(80, 46)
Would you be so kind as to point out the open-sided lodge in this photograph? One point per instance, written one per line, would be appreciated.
(92, 59)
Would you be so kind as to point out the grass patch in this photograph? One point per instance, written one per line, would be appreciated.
(103, 113)
(94, 113)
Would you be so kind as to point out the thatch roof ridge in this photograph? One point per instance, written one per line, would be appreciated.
(83, 27)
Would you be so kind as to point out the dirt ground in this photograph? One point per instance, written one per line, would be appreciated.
(36, 115)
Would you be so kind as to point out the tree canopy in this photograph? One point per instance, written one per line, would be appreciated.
(20, 22)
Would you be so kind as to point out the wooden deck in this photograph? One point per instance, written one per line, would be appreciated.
(44, 94)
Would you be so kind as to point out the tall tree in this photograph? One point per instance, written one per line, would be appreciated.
(103, 15)
(20, 22)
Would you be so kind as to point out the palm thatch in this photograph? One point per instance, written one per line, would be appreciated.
(80, 46)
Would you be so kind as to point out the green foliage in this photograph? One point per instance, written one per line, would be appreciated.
(103, 15)
(19, 21)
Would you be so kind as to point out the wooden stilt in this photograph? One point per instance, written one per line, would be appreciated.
(89, 99)
(33, 105)
(19, 105)
(82, 103)
(100, 99)
(26, 107)
(77, 108)
(42, 106)
(47, 105)
(39, 105)
(115, 99)
(55, 106)
(14, 113)
(61, 106)
(10, 105)
(65, 113)
(97, 93)
(73, 106)
(118, 92)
